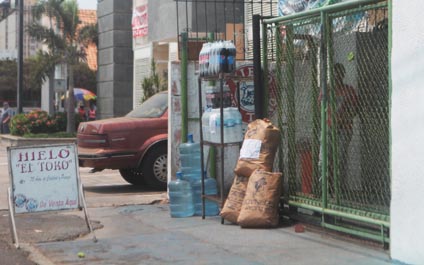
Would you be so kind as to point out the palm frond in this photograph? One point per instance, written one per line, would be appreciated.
(38, 10)
(45, 63)
(70, 19)
(89, 34)
(46, 36)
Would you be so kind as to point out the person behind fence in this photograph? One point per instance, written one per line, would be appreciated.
(6, 115)
(346, 101)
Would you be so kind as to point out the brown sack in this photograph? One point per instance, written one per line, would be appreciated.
(232, 206)
(260, 205)
(260, 144)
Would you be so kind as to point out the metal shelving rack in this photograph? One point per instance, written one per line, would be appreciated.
(221, 198)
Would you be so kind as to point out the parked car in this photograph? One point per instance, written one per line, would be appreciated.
(135, 144)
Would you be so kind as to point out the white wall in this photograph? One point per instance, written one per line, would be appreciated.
(45, 96)
(142, 59)
(407, 209)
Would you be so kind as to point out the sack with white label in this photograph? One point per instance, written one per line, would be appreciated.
(260, 145)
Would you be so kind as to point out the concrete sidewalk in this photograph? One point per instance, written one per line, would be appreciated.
(146, 234)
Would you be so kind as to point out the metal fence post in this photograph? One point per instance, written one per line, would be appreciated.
(324, 105)
(184, 108)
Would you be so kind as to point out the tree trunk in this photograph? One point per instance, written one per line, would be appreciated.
(70, 124)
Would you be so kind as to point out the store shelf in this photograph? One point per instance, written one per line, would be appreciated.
(226, 77)
(215, 198)
(223, 144)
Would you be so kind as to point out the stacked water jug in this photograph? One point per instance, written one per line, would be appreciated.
(233, 127)
(180, 197)
(211, 208)
(191, 173)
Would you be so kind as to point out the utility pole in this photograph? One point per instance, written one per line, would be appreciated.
(20, 56)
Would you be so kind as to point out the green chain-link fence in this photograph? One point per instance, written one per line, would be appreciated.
(332, 73)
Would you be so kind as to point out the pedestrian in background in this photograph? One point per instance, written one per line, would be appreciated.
(82, 111)
(92, 112)
(6, 115)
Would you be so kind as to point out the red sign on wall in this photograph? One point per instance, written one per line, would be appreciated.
(140, 21)
(247, 93)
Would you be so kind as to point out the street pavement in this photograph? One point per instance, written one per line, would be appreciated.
(133, 226)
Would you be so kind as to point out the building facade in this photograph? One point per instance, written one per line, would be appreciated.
(115, 58)
(154, 37)
(9, 29)
(9, 26)
(406, 144)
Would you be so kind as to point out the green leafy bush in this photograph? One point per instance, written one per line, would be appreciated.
(18, 125)
(39, 122)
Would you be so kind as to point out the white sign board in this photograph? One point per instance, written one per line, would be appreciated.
(44, 178)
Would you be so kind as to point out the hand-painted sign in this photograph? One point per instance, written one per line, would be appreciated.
(140, 21)
(44, 178)
(247, 92)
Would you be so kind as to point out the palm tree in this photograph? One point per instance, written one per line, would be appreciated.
(89, 34)
(64, 43)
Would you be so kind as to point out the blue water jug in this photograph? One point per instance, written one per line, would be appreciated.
(211, 207)
(190, 159)
(180, 197)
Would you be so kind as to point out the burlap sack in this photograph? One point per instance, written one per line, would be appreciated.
(261, 203)
(232, 205)
(260, 144)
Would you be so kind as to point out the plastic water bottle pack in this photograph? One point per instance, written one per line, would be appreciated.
(232, 125)
(217, 57)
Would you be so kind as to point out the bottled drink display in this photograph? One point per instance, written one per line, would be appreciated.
(204, 59)
(238, 125)
(180, 197)
(232, 125)
(213, 97)
(205, 124)
(211, 207)
(231, 58)
(214, 129)
(190, 159)
(217, 57)
(228, 125)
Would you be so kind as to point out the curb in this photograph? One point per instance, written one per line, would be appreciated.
(11, 140)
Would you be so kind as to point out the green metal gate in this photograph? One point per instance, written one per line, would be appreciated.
(331, 67)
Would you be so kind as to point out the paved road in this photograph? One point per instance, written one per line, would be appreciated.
(145, 234)
(102, 189)
(105, 188)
